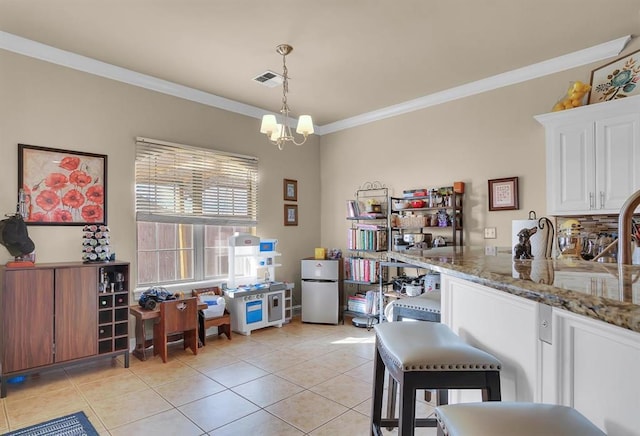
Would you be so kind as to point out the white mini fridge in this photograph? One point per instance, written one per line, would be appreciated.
(321, 285)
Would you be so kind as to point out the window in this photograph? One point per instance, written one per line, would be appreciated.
(188, 202)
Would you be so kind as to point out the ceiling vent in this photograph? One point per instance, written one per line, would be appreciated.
(269, 79)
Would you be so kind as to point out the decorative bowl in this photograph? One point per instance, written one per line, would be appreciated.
(399, 204)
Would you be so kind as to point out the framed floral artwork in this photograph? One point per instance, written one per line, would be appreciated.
(62, 187)
(617, 79)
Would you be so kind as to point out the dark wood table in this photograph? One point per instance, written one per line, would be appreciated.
(142, 315)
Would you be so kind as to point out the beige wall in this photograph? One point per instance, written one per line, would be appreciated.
(487, 136)
(48, 105)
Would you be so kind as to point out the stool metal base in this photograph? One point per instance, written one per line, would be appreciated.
(362, 322)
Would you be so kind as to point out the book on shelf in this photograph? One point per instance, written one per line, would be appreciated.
(353, 210)
(365, 239)
(366, 226)
(357, 303)
(371, 215)
(361, 269)
(372, 302)
(366, 303)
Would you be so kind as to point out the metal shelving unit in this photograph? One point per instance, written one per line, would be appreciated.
(368, 241)
(384, 266)
(454, 210)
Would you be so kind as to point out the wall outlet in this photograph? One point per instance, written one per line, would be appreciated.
(489, 233)
(490, 251)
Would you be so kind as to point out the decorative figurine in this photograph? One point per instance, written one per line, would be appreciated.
(443, 218)
(522, 250)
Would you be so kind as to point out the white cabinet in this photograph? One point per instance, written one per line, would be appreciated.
(589, 365)
(593, 157)
(593, 367)
(501, 324)
(618, 159)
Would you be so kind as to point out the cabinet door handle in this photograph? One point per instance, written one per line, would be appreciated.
(601, 199)
(591, 200)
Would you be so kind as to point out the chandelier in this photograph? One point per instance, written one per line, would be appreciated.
(280, 133)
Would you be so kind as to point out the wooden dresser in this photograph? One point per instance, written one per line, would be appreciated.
(56, 314)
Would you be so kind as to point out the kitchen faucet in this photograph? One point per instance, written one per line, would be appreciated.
(624, 228)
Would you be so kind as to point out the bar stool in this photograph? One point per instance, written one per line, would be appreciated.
(426, 355)
(513, 418)
(425, 307)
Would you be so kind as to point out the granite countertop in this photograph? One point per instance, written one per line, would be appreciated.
(606, 292)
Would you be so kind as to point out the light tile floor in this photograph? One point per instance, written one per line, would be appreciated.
(301, 379)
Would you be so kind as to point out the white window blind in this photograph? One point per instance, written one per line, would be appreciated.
(182, 184)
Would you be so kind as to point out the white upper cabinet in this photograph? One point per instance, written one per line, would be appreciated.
(593, 157)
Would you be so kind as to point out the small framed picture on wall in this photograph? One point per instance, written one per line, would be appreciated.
(290, 215)
(290, 189)
(503, 194)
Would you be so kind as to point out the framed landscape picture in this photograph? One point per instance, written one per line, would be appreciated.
(62, 187)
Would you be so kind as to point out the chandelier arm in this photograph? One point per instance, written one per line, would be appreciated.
(304, 139)
(280, 141)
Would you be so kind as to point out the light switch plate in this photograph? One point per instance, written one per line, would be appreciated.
(489, 233)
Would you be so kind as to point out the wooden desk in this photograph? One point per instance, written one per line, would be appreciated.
(142, 315)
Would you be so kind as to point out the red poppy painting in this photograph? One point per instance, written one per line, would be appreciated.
(62, 187)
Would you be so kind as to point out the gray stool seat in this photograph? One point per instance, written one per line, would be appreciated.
(427, 355)
(513, 418)
(425, 307)
(430, 347)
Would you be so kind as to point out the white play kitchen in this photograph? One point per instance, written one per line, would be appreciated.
(252, 296)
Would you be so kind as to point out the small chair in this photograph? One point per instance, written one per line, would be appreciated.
(513, 418)
(223, 322)
(176, 316)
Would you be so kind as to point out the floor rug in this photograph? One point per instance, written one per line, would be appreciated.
(72, 425)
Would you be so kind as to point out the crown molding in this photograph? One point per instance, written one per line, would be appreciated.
(89, 65)
(78, 62)
(540, 69)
